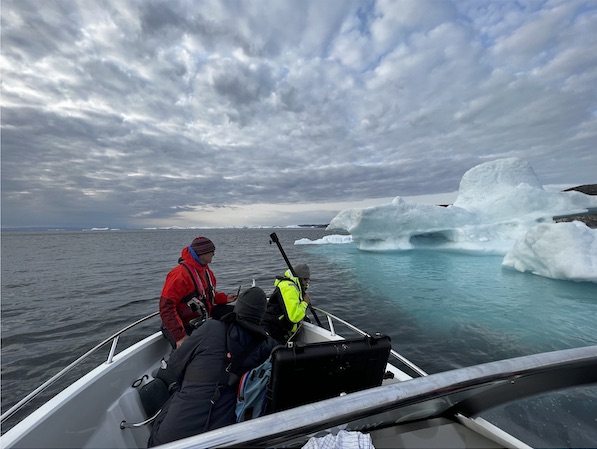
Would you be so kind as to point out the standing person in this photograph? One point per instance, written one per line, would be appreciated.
(288, 303)
(210, 364)
(190, 287)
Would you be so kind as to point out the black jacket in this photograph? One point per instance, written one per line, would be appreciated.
(200, 362)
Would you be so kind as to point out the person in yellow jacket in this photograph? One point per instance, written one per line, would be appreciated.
(288, 303)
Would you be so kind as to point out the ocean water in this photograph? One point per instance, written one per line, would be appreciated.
(63, 292)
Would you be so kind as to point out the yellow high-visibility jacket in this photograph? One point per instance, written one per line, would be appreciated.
(286, 307)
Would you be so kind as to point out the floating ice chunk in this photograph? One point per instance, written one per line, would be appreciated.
(326, 240)
(557, 251)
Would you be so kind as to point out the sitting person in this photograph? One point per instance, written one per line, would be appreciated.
(210, 363)
(288, 303)
(189, 288)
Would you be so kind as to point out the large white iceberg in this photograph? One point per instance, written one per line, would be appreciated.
(501, 208)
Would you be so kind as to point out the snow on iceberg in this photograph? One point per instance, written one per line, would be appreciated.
(509, 189)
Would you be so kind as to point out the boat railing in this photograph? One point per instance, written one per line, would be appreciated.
(331, 318)
(113, 339)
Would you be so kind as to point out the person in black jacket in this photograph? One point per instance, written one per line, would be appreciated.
(209, 364)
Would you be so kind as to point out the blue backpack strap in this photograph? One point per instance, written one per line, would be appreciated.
(252, 399)
(228, 376)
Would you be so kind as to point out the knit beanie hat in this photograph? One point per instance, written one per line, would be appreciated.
(251, 305)
(203, 245)
(302, 271)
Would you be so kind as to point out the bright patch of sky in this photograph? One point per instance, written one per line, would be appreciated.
(218, 113)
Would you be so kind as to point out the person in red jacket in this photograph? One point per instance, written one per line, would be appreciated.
(189, 294)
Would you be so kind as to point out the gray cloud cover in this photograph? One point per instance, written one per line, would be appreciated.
(144, 113)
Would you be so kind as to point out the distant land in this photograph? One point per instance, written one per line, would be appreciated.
(589, 219)
(587, 189)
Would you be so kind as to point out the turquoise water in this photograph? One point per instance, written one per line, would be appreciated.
(470, 300)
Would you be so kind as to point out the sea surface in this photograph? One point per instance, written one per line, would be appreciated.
(64, 291)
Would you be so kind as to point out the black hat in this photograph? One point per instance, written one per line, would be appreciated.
(250, 308)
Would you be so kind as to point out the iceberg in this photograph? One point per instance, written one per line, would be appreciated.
(501, 209)
(326, 239)
(564, 251)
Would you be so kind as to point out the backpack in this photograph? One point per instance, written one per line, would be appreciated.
(157, 391)
(252, 398)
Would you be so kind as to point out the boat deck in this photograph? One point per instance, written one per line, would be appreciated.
(431, 433)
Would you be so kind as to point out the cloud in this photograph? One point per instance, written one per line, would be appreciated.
(143, 113)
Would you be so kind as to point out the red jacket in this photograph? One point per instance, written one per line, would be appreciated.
(175, 313)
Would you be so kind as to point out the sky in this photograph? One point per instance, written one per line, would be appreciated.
(133, 114)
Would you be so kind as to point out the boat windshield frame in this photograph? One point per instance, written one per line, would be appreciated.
(462, 394)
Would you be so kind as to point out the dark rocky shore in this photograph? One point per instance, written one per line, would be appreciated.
(589, 219)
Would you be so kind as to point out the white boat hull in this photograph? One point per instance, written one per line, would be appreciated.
(88, 413)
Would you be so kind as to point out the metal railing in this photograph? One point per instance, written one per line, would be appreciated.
(114, 338)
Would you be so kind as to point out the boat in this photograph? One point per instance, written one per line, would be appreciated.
(409, 408)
